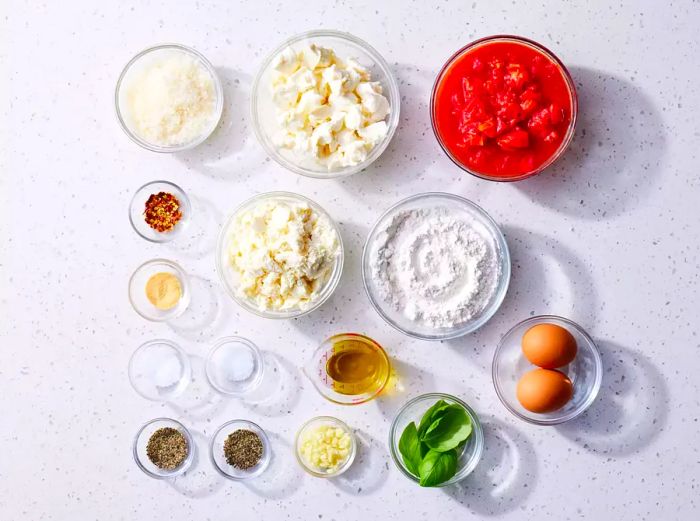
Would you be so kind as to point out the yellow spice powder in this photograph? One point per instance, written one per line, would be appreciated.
(163, 290)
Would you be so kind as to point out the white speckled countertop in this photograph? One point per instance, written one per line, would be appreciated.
(610, 237)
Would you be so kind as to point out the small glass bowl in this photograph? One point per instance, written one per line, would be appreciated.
(315, 370)
(230, 380)
(138, 206)
(141, 442)
(585, 372)
(216, 451)
(413, 411)
(320, 421)
(149, 54)
(229, 277)
(395, 318)
(137, 290)
(540, 49)
(264, 110)
(159, 370)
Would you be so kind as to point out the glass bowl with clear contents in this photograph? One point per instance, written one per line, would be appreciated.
(487, 228)
(137, 208)
(413, 411)
(229, 277)
(264, 115)
(159, 370)
(138, 63)
(235, 366)
(585, 372)
(141, 443)
(137, 290)
(218, 457)
(308, 466)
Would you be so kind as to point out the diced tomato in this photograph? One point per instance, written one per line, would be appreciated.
(556, 114)
(488, 127)
(551, 137)
(516, 76)
(502, 108)
(515, 139)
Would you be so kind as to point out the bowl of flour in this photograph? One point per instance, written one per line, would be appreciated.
(436, 266)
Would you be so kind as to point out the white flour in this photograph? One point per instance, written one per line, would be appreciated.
(436, 266)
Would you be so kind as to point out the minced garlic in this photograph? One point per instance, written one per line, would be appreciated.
(325, 448)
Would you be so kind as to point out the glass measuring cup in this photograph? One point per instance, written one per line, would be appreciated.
(349, 369)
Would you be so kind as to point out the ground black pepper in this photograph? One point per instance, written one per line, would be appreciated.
(167, 448)
(243, 449)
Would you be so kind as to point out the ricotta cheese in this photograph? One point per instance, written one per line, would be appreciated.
(283, 254)
(328, 109)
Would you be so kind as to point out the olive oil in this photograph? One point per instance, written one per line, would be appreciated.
(356, 366)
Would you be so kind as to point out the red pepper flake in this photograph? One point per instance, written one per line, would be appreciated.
(162, 211)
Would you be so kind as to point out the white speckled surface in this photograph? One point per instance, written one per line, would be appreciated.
(610, 238)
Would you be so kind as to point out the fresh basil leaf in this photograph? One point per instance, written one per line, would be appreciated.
(454, 427)
(430, 416)
(410, 448)
(433, 426)
(437, 467)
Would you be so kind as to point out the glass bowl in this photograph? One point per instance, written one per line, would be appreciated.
(315, 370)
(264, 110)
(413, 411)
(235, 366)
(320, 421)
(229, 277)
(159, 370)
(489, 229)
(137, 62)
(585, 372)
(138, 206)
(137, 290)
(141, 442)
(543, 51)
(216, 451)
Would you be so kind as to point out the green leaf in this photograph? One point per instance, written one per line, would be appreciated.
(453, 428)
(410, 448)
(432, 414)
(437, 467)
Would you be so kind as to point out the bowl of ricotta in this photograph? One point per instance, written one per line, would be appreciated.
(169, 98)
(325, 104)
(436, 266)
(280, 255)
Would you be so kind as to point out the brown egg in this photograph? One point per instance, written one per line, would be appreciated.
(549, 346)
(544, 390)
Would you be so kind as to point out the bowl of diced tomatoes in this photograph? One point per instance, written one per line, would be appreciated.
(504, 108)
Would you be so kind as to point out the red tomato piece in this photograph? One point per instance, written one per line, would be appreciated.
(515, 139)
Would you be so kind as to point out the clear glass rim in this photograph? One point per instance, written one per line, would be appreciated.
(335, 421)
(247, 425)
(183, 466)
(184, 283)
(184, 202)
(187, 367)
(328, 289)
(218, 111)
(392, 123)
(538, 47)
(369, 397)
(503, 284)
(477, 432)
(592, 393)
(257, 355)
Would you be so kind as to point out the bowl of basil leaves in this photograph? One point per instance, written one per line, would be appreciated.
(436, 440)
